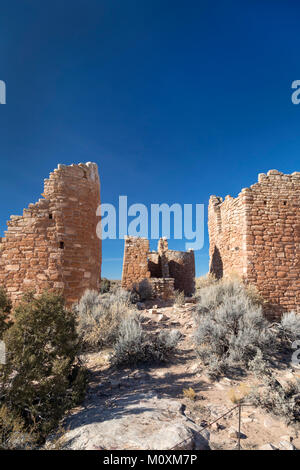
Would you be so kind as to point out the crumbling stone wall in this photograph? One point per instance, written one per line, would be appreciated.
(257, 235)
(162, 288)
(54, 244)
(182, 269)
(176, 268)
(135, 262)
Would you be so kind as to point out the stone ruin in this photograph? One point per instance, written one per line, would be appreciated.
(166, 270)
(257, 236)
(54, 244)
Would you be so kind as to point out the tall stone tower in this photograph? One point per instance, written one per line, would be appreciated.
(54, 245)
(257, 235)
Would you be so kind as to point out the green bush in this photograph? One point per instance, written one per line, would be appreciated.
(105, 285)
(5, 309)
(13, 433)
(42, 377)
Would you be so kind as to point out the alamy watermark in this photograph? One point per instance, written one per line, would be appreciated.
(296, 94)
(2, 92)
(145, 223)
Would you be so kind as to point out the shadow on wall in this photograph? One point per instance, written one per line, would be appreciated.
(216, 267)
(182, 281)
(154, 268)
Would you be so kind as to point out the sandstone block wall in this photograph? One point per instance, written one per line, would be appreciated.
(164, 264)
(162, 288)
(257, 235)
(135, 262)
(54, 244)
(182, 269)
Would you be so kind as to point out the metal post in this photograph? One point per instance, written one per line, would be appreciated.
(239, 436)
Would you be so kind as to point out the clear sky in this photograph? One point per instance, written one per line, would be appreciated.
(175, 100)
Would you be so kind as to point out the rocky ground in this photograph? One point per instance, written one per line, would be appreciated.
(146, 408)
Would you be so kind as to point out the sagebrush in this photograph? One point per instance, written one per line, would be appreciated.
(134, 345)
(232, 332)
(231, 327)
(277, 399)
(99, 317)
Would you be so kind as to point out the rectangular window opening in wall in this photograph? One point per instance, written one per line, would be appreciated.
(50, 216)
(61, 245)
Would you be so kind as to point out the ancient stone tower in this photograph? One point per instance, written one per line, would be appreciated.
(165, 269)
(54, 244)
(257, 235)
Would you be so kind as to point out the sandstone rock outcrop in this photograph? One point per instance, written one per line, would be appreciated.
(148, 423)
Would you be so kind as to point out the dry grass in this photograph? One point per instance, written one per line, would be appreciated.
(179, 298)
(204, 281)
(189, 393)
(238, 394)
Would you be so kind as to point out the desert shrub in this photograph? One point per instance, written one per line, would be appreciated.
(129, 345)
(179, 299)
(289, 327)
(135, 346)
(279, 400)
(115, 284)
(42, 377)
(5, 309)
(105, 285)
(204, 281)
(211, 296)
(142, 291)
(230, 327)
(99, 317)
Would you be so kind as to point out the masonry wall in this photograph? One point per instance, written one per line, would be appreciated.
(273, 239)
(257, 235)
(227, 229)
(54, 244)
(182, 269)
(135, 262)
(175, 267)
(162, 288)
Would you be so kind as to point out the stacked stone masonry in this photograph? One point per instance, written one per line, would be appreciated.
(54, 245)
(165, 269)
(257, 236)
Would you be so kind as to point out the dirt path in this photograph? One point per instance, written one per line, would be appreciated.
(113, 392)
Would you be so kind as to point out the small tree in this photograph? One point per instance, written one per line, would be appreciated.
(41, 378)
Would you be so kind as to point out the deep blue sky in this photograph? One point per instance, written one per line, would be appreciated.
(175, 100)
